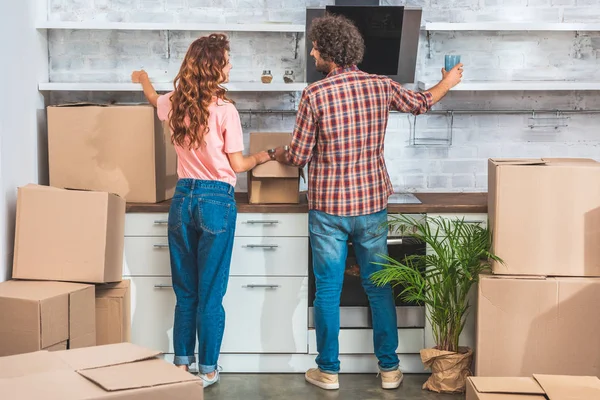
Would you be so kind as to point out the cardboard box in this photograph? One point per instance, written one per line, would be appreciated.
(118, 371)
(58, 347)
(545, 216)
(537, 325)
(113, 313)
(122, 149)
(68, 235)
(44, 315)
(540, 387)
(272, 182)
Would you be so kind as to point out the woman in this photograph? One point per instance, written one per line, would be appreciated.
(207, 135)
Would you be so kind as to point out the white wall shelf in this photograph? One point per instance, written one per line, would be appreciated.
(519, 86)
(167, 86)
(171, 26)
(509, 26)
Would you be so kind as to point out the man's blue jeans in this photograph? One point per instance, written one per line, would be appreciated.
(201, 230)
(329, 235)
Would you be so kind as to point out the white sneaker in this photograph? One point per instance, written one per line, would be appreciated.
(206, 381)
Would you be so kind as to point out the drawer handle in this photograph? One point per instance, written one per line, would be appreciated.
(264, 222)
(160, 286)
(466, 221)
(161, 222)
(261, 246)
(253, 286)
(161, 246)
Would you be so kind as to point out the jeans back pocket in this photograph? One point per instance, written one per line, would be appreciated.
(213, 215)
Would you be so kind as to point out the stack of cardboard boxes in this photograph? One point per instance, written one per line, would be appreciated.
(67, 295)
(537, 313)
(68, 246)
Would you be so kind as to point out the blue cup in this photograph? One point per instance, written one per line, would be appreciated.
(450, 61)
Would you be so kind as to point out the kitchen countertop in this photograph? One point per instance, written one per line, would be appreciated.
(430, 203)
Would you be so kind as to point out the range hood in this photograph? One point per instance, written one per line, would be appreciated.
(391, 35)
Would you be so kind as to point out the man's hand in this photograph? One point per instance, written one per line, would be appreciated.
(139, 76)
(449, 80)
(453, 77)
(281, 155)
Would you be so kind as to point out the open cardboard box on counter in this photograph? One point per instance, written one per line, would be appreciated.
(119, 371)
(540, 387)
(272, 182)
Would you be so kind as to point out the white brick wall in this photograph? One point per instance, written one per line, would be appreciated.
(106, 56)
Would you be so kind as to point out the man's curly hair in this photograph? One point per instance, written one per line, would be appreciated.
(337, 39)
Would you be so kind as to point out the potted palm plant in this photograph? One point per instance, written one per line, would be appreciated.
(457, 252)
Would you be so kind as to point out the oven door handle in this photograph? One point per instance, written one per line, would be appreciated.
(389, 241)
(395, 241)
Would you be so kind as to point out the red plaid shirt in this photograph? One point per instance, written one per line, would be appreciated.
(339, 132)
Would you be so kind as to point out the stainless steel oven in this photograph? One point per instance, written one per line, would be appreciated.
(354, 304)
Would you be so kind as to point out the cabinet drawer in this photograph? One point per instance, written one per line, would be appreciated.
(152, 311)
(271, 256)
(480, 219)
(263, 315)
(266, 315)
(249, 224)
(146, 256)
(146, 224)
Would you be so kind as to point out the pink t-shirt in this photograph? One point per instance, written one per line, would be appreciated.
(225, 135)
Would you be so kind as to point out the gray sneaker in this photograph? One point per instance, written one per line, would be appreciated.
(391, 379)
(206, 381)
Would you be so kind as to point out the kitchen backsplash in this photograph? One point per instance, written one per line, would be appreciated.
(110, 56)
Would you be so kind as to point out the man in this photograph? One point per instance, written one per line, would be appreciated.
(339, 132)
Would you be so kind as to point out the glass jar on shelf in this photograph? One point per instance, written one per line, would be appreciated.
(266, 76)
(288, 76)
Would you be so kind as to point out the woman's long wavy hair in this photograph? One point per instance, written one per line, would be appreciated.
(198, 80)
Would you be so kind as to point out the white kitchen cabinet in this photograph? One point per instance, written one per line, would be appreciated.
(147, 256)
(152, 308)
(263, 314)
(248, 224)
(472, 218)
(267, 298)
(146, 224)
(251, 224)
(270, 256)
(266, 315)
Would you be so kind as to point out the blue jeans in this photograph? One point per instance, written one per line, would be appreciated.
(329, 235)
(201, 229)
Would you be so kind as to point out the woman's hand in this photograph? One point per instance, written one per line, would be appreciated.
(262, 157)
(139, 76)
